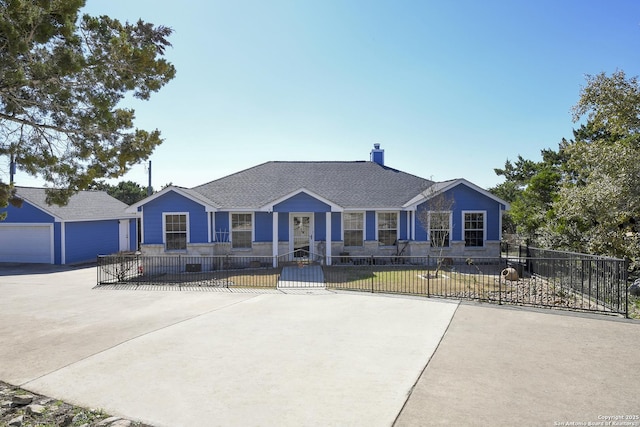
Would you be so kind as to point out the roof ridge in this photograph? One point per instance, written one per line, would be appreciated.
(318, 161)
(88, 190)
(227, 176)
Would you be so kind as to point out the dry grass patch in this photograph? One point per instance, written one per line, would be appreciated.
(411, 280)
(245, 278)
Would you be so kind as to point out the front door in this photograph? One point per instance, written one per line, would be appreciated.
(301, 235)
(123, 235)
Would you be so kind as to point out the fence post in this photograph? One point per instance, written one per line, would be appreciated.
(428, 276)
(626, 288)
(500, 288)
(372, 273)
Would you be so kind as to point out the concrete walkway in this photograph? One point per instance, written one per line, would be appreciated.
(318, 358)
(304, 276)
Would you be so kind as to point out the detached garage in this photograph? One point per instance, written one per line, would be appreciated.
(92, 223)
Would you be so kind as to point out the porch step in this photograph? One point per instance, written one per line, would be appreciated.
(302, 276)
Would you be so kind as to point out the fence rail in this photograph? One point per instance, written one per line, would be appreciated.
(547, 279)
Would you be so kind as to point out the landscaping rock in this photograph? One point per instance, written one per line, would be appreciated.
(35, 409)
(19, 408)
(634, 289)
(66, 420)
(107, 421)
(16, 422)
(22, 399)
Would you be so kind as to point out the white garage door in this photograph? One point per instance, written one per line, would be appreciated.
(26, 243)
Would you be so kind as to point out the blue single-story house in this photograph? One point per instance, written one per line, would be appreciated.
(91, 223)
(288, 209)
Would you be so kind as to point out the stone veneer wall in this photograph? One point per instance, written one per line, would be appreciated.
(263, 249)
(457, 249)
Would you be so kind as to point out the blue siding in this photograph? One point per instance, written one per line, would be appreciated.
(173, 202)
(26, 214)
(302, 202)
(86, 240)
(320, 227)
(336, 226)
(263, 227)
(403, 226)
(371, 225)
(493, 224)
(421, 233)
(467, 199)
(57, 243)
(221, 233)
(133, 234)
(283, 227)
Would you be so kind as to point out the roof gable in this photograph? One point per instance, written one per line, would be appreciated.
(444, 186)
(185, 192)
(303, 191)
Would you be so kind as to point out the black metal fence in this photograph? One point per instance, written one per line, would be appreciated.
(187, 271)
(522, 276)
(596, 281)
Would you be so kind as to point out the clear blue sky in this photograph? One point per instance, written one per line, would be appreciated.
(449, 89)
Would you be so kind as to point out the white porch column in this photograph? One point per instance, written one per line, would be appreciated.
(328, 238)
(274, 240)
(413, 225)
(408, 215)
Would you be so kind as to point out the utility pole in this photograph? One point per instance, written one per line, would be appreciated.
(12, 167)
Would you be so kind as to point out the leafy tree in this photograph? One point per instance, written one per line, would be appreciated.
(8, 196)
(585, 196)
(598, 209)
(61, 79)
(611, 104)
(601, 214)
(530, 188)
(128, 192)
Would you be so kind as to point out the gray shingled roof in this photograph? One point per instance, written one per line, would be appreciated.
(359, 184)
(85, 205)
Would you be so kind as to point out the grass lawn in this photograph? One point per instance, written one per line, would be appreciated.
(412, 280)
(242, 278)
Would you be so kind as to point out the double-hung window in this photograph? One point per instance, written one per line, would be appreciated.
(439, 229)
(474, 229)
(241, 230)
(176, 229)
(353, 228)
(387, 228)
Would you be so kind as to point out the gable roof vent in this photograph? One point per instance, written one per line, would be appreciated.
(377, 155)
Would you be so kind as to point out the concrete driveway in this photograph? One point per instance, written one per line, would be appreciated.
(173, 358)
(513, 366)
